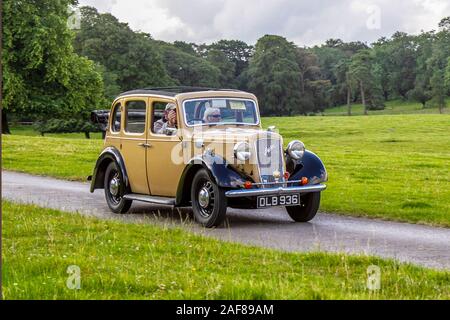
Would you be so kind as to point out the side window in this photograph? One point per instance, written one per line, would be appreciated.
(158, 117)
(115, 119)
(135, 116)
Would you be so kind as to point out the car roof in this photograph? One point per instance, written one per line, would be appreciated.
(173, 91)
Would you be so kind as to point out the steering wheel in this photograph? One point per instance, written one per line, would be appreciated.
(193, 120)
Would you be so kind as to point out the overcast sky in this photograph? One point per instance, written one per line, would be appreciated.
(304, 22)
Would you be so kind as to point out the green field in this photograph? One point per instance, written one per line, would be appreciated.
(391, 107)
(389, 166)
(144, 261)
(71, 157)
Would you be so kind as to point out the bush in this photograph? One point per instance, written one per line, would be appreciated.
(66, 126)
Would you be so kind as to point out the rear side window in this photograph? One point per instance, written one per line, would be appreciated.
(135, 116)
(115, 119)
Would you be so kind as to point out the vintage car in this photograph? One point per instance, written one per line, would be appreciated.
(203, 148)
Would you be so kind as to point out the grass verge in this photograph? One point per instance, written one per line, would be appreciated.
(67, 158)
(143, 261)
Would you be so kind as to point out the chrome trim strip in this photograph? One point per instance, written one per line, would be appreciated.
(276, 183)
(137, 95)
(150, 199)
(274, 191)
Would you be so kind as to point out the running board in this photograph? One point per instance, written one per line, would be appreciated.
(150, 199)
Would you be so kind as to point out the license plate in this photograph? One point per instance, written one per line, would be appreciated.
(278, 200)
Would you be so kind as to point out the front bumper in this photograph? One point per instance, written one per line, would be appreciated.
(274, 191)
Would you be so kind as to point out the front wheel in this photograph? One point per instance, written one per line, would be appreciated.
(209, 202)
(306, 211)
(114, 190)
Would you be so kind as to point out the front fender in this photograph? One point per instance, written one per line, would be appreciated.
(108, 154)
(219, 170)
(310, 166)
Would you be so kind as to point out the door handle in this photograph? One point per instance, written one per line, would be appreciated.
(145, 145)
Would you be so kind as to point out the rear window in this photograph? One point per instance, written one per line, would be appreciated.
(116, 117)
(135, 116)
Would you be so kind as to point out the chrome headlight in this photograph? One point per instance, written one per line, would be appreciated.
(242, 151)
(296, 149)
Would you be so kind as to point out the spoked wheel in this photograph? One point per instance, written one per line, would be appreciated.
(208, 200)
(309, 204)
(114, 190)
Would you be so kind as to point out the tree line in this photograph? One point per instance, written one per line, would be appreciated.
(51, 71)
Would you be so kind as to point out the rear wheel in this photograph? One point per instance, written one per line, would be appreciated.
(309, 205)
(114, 190)
(208, 200)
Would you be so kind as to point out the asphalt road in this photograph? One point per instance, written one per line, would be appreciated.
(272, 228)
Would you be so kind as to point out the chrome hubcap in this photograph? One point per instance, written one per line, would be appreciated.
(114, 185)
(203, 197)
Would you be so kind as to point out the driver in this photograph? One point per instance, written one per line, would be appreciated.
(212, 115)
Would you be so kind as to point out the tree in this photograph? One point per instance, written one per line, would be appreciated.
(424, 50)
(344, 81)
(227, 68)
(447, 75)
(319, 91)
(420, 93)
(444, 24)
(188, 70)
(237, 52)
(438, 91)
(111, 88)
(438, 63)
(189, 48)
(402, 63)
(274, 76)
(360, 71)
(130, 57)
(308, 65)
(42, 74)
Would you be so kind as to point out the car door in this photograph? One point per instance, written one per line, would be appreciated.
(164, 155)
(133, 142)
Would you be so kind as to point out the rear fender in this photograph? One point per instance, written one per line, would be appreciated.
(107, 156)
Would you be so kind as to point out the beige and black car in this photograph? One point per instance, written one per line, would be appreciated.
(203, 148)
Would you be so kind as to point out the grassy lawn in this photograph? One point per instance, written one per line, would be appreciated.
(69, 158)
(144, 261)
(389, 166)
(392, 167)
(392, 107)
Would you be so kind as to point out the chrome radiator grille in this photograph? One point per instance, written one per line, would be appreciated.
(270, 158)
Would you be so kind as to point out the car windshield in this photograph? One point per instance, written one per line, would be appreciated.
(220, 111)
